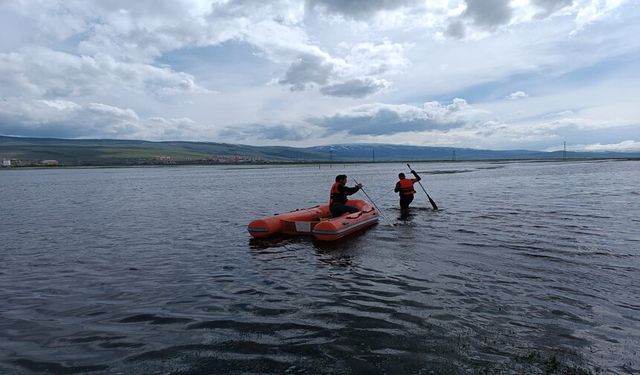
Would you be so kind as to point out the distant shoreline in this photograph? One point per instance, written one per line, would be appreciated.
(54, 152)
(320, 164)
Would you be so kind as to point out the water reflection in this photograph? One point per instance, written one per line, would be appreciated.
(269, 242)
(336, 257)
(336, 253)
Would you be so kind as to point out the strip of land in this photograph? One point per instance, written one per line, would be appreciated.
(18, 151)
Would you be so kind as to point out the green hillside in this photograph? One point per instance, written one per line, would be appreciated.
(126, 152)
(105, 152)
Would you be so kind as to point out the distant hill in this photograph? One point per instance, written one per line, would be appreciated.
(389, 152)
(133, 152)
(31, 151)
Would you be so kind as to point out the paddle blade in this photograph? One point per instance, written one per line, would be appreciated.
(433, 204)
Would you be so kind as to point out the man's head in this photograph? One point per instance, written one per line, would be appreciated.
(342, 179)
(401, 176)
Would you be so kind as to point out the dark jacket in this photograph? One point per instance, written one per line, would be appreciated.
(339, 193)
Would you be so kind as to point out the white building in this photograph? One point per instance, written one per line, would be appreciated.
(6, 162)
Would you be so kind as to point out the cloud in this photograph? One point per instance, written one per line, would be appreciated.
(560, 114)
(548, 7)
(624, 146)
(144, 30)
(308, 70)
(182, 128)
(488, 13)
(358, 9)
(379, 119)
(517, 95)
(62, 118)
(590, 11)
(355, 88)
(152, 28)
(270, 132)
(42, 22)
(482, 18)
(376, 58)
(456, 29)
(356, 75)
(42, 72)
(68, 119)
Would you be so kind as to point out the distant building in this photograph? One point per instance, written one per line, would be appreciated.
(50, 162)
(231, 159)
(162, 159)
(6, 162)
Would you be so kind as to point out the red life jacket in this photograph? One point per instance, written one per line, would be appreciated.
(337, 196)
(406, 186)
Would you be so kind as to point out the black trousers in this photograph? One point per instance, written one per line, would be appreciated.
(405, 200)
(340, 209)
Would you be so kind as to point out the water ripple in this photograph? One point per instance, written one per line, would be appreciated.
(151, 270)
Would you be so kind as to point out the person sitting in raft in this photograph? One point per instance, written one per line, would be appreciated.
(404, 187)
(338, 199)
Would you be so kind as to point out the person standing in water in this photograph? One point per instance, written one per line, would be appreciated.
(404, 187)
(338, 199)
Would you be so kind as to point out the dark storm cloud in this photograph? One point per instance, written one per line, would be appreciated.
(66, 119)
(308, 70)
(382, 119)
(381, 122)
(456, 29)
(488, 13)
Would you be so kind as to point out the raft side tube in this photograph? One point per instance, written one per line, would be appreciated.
(328, 232)
(265, 227)
(316, 221)
(279, 223)
(336, 228)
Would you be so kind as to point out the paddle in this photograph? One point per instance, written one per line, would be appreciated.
(433, 204)
(374, 203)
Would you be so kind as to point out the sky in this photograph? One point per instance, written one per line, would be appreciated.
(491, 74)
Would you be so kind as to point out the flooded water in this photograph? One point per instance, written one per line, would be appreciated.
(528, 268)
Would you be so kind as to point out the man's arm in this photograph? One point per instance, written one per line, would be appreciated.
(397, 189)
(350, 190)
(417, 178)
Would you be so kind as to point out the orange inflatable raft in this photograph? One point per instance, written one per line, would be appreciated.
(316, 221)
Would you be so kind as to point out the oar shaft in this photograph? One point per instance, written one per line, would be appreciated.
(423, 189)
(433, 204)
(374, 203)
